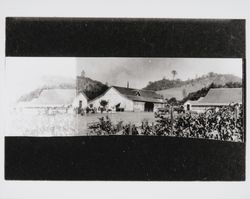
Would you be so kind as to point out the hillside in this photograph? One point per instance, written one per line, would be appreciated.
(203, 92)
(90, 87)
(180, 89)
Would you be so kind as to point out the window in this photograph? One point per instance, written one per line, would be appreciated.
(138, 93)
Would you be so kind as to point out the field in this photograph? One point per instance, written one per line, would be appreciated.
(33, 124)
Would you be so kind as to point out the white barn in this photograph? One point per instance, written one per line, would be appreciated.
(217, 97)
(129, 99)
(59, 99)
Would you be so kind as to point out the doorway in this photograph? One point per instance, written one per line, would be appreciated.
(149, 107)
(80, 104)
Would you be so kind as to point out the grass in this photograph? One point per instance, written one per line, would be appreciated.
(31, 124)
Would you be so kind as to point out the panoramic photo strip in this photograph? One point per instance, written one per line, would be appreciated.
(180, 97)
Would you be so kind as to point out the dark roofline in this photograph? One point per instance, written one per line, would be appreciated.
(137, 89)
(118, 92)
(223, 88)
(101, 94)
(83, 94)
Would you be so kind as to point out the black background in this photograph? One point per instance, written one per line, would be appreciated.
(125, 37)
(124, 157)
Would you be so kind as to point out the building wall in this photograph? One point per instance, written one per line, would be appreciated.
(139, 106)
(186, 105)
(80, 97)
(198, 109)
(202, 108)
(114, 97)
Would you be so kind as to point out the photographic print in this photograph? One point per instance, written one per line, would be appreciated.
(179, 97)
(125, 99)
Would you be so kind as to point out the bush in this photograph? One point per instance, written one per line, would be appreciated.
(220, 124)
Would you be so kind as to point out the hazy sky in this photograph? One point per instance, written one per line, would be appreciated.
(24, 74)
(139, 71)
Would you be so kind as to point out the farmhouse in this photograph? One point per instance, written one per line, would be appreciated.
(129, 99)
(60, 99)
(217, 97)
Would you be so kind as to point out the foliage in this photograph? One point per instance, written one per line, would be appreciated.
(105, 127)
(219, 124)
(103, 103)
(163, 84)
(90, 87)
(173, 101)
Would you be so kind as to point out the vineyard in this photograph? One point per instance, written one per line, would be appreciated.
(219, 124)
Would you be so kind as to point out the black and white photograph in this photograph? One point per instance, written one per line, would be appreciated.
(123, 101)
(197, 98)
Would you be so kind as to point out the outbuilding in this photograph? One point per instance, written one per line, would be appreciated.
(129, 99)
(217, 97)
(61, 100)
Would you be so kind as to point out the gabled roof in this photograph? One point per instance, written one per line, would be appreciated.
(54, 97)
(139, 95)
(134, 92)
(144, 99)
(222, 96)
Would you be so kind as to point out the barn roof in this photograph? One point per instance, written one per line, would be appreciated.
(139, 95)
(222, 96)
(54, 97)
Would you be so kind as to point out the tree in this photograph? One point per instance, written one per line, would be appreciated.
(103, 103)
(173, 101)
(174, 73)
(233, 85)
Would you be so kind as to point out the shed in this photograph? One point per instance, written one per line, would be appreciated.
(216, 97)
(58, 99)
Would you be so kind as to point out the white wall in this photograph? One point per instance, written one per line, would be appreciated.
(79, 97)
(139, 106)
(114, 97)
(199, 109)
(186, 104)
